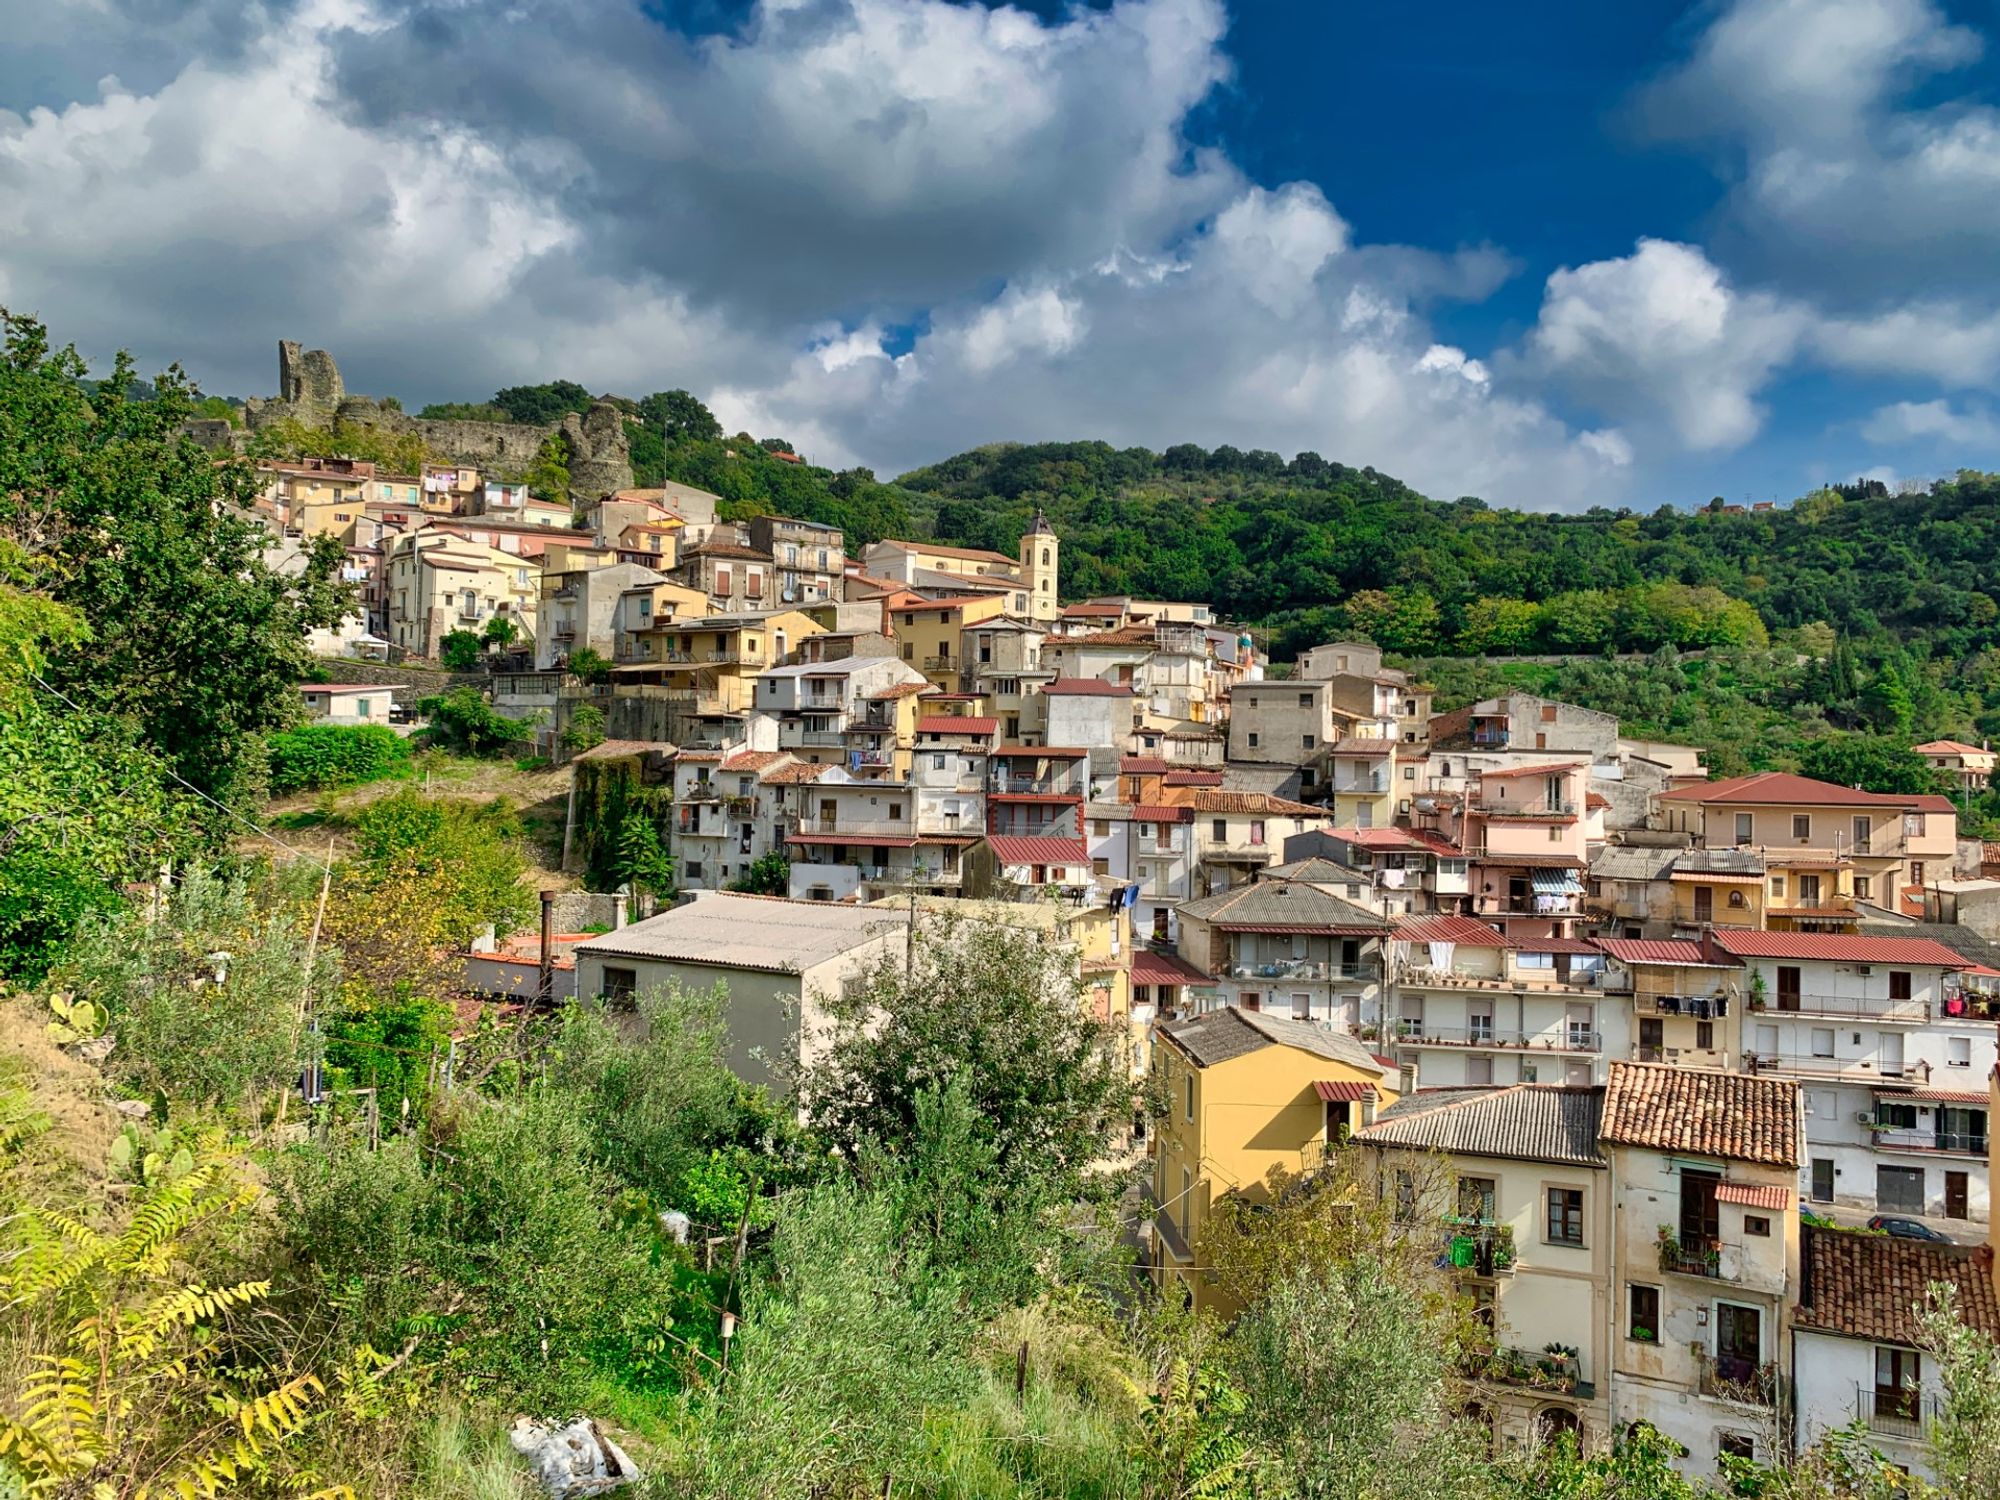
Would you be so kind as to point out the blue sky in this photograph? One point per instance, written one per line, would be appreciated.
(1556, 255)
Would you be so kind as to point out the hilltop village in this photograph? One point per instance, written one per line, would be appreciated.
(1679, 1041)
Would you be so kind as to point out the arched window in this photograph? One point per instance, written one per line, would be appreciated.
(1736, 898)
(1045, 557)
(1551, 1422)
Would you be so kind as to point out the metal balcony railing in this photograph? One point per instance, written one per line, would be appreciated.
(1741, 1380)
(1301, 968)
(1894, 1413)
(1968, 1143)
(1566, 1039)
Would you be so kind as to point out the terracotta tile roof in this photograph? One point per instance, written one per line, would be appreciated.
(1777, 1199)
(956, 724)
(1596, 800)
(1869, 1286)
(1934, 1096)
(794, 775)
(1085, 687)
(754, 760)
(711, 756)
(1361, 745)
(1949, 747)
(727, 550)
(1527, 1122)
(1835, 947)
(1463, 931)
(1437, 842)
(1775, 788)
(1379, 838)
(1215, 800)
(1011, 850)
(1041, 752)
(619, 749)
(1727, 1115)
(1141, 765)
(1149, 967)
(1160, 812)
(1495, 860)
(975, 554)
(900, 690)
(1091, 611)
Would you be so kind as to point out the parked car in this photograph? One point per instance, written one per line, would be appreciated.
(1907, 1229)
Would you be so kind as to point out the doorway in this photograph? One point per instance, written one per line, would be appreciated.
(1739, 1342)
(1957, 1197)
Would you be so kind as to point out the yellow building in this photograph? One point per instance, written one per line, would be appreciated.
(320, 497)
(1246, 1093)
(928, 635)
(713, 663)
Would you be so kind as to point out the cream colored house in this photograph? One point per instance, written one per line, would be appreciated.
(711, 663)
(436, 583)
(1524, 1202)
(1246, 1094)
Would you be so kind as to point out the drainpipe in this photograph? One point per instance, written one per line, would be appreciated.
(618, 900)
(545, 978)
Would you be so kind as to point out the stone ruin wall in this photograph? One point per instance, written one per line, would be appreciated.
(310, 391)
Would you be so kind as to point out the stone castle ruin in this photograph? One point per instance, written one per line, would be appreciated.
(311, 392)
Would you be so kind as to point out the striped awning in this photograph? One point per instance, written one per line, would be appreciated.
(1555, 883)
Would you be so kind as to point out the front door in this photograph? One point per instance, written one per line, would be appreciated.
(1652, 1040)
(1956, 1198)
(1704, 904)
(1701, 1220)
(1822, 1179)
(1739, 1342)
(1788, 988)
(1892, 1054)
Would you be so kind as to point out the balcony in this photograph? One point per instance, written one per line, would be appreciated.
(1034, 786)
(1588, 982)
(1694, 1257)
(1845, 1008)
(1952, 1142)
(1371, 786)
(1894, 1413)
(1725, 1378)
(1566, 1039)
(1544, 809)
(1853, 1070)
(1529, 1369)
(941, 664)
(833, 738)
(1304, 968)
(739, 807)
(1700, 1007)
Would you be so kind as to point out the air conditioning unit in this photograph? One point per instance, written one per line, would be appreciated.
(1864, 968)
(1864, 1117)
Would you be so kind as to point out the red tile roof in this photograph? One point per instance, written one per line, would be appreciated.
(1085, 687)
(1869, 1286)
(1149, 967)
(1342, 1091)
(754, 760)
(1013, 850)
(1683, 1110)
(1782, 787)
(1207, 800)
(956, 724)
(1379, 838)
(1091, 611)
(1141, 765)
(1158, 812)
(1835, 947)
(1437, 842)
(975, 553)
(1194, 778)
(1463, 931)
(793, 775)
(1949, 747)
(1543, 770)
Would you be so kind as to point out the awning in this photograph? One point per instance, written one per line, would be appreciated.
(1933, 1096)
(1555, 883)
(1338, 1091)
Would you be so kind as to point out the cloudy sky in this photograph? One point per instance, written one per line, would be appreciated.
(1555, 255)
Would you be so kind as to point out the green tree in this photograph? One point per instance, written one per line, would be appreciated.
(464, 720)
(500, 631)
(461, 650)
(766, 875)
(589, 666)
(585, 729)
(1871, 762)
(680, 417)
(116, 514)
(641, 861)
(542, 405)
(466, 854)
(315, 757)
(547, 474)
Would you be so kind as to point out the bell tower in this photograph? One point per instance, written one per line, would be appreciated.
(1041, 563)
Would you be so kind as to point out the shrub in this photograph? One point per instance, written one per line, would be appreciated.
(585, 729)
(461, 650)
(463, 720)
(319, 756)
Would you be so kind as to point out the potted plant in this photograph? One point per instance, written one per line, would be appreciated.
(1643, 1335)
(1757, 990)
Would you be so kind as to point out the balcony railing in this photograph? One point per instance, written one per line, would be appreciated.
(1894, 1413)
(1964, 1143)
(1530, 1369)
(1516, 810)
(820, 737)
(1371, 786)
(1302, 968)
(1589, 981)
(1862, 1070)
(1568, 1039)
(1034, 786)
(1693, 1257)
(1701, 1007)
(941, 664)
(1726, 1378)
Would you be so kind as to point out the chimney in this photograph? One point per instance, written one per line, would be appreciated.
(545, 978)
(618, 900)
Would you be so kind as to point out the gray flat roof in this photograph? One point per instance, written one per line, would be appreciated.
(724, 930)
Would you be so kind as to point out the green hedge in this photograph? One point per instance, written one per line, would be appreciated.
(319, 756)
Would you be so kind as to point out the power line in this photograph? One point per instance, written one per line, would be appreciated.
(261, 832)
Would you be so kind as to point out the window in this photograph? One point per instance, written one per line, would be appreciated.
(1477, 1199)
(1958, 1051)
(1565, 1216)
(620, 984)
(1190, 1096)
(1305, 700)
(1822, 1041)
(1778, 885)
(1735, 1445)
(1864, 887)
(1822, 1179)
(1916, 872)
(895, 812)
(909, 651)
(1895, 1116)
(937, 762)
(1757, 1226)
(1899, 984)
(1745, 826)
(1736, 899)
(1100, 867)
(1802, 825)
(1704, 1036)
(1309, 742)
(1642, 1313)
(1253, 739)
(1219, 830)
(1257, 831)
(1555, 834)
(722, 580)
(1479, 1071)
(1406, 1196)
